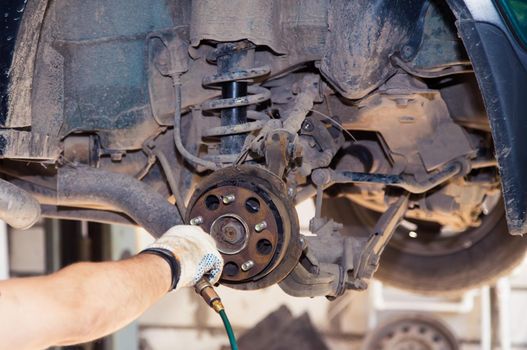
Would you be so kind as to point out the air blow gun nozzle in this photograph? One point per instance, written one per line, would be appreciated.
(207, 292)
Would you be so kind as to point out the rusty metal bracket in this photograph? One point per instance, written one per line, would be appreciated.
(368, 260)
(277, 151)
(332, 263)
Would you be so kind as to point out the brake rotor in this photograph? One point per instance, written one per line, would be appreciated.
(247, 212)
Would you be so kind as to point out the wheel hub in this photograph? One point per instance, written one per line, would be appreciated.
(230, 232)
(247, 212)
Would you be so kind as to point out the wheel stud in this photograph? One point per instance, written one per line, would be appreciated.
(228, 199)
(198, 220)
(246, 266)
(260, 226)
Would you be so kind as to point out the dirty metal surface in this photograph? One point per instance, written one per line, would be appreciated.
(233, 225)
(406, 107)
(248, 213)
(363, 34)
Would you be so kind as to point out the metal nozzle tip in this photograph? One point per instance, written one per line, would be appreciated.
(207, 292)
(201, 285)
(217, 305)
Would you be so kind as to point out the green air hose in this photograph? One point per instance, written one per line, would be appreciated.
(207, 292)
(228, 329)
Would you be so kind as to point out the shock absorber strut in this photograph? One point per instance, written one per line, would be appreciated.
(231, 60)
(235, 74)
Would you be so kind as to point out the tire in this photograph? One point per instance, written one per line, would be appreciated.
(492, 253)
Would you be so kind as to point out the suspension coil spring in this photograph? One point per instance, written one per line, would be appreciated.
(237, 98)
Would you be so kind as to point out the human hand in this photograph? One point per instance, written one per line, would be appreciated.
(195, 251)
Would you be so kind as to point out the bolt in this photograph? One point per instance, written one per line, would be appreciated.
(198, 220)
(308, 126)
(230, 234)
(407, 52)
(228, 199)
(246, 266)
(321, 177)
(260, 226)
(116, 156)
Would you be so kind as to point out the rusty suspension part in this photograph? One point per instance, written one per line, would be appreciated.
(325, 178)
(233, 77)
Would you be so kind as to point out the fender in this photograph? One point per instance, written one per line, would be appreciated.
(500, 64)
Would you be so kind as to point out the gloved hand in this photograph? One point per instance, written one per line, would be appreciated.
(195, 252)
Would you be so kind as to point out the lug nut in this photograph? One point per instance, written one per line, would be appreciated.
(246, 266)
(228, 199)
(260, 226)
(198, 220)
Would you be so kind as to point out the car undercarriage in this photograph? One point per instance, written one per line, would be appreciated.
(225, 114)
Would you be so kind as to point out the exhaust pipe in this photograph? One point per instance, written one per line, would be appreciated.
(88, 187)
(104, 197)
(107, 195)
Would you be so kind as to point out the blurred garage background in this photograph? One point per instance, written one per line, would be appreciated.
(493, 317)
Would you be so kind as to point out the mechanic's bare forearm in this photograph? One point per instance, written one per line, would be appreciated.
(80, 303)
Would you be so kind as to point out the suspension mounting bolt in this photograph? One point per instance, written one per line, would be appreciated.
(198, 220)
(228, 199)
(246, 266)
(308, 126)
(260, 226)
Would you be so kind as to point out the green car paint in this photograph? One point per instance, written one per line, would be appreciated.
(516, 13)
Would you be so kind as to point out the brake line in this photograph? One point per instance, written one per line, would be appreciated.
(207, 292)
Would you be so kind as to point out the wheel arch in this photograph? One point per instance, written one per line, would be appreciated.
(500, 66)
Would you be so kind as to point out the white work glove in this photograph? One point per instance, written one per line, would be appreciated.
(195, 251)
